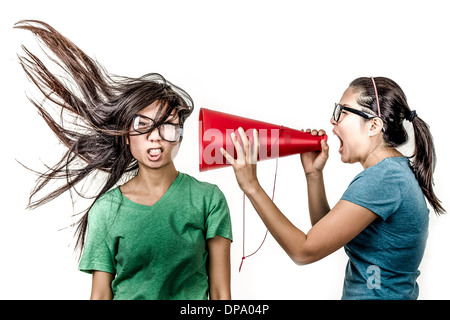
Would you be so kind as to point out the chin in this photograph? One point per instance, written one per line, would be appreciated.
(346, 159)
(155, 165)
(349, 161)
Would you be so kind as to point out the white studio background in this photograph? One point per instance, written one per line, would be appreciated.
(284, 62)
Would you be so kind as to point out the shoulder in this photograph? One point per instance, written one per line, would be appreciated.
(389, 170)
(201, 191)
(106, 205)
(199, 186)
(382, 187)
(113, 196)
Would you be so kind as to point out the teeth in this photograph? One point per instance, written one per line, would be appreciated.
(155, 152)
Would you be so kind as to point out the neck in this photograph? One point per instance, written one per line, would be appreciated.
(149, 179)
(379, 153)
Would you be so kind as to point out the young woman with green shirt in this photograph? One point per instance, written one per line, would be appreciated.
(152, 232)
(382, 218)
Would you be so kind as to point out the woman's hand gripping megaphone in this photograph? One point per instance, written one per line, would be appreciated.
(314, 162)
(245, 165)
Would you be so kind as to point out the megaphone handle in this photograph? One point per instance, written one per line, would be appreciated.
(243, 220)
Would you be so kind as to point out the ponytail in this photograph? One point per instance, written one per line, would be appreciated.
(424, 161)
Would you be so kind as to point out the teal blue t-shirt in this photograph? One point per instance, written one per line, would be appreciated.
(157, 252)
(384, 258)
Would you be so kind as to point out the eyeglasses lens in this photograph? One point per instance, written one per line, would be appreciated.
(142, 125)
(167, 131)
(337, 112)
(170, 132)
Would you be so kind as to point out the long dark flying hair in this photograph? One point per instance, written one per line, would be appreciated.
(394, 110)
(96, 111)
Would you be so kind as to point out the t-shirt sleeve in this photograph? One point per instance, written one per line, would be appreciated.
(379, 194)
(218, 221)
(98, 253)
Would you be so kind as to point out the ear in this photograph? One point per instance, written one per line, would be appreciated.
(375, 127)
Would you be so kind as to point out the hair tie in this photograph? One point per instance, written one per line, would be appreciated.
(412, 115)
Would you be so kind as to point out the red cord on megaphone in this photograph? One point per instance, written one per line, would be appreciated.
(243, 224)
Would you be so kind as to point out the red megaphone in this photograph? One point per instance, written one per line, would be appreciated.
(275, 141)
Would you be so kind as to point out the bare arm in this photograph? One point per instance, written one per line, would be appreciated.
(331, 230)
(219, 268)
(101, 285)
(344, 222)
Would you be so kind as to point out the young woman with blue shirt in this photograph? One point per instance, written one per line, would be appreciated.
(382, 218)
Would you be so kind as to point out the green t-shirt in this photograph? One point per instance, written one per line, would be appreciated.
(157, 252)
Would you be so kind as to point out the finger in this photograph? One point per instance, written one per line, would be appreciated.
(322, 132)
(314, 132)
(246, 144)
(239, 152)
(255, 149)
(227, 156)
(308, 130)
(325, 147)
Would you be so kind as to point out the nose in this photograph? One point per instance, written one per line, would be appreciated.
(332, 121)
(154, 135)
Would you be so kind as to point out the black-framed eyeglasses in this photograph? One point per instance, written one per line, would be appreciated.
(167, 131)
(338, 108)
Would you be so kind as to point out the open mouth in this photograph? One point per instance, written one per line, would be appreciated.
(341, 147)
(154, 153)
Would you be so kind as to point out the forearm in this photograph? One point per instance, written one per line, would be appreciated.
(317, 198)
(292, 240)
(289, 237)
